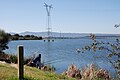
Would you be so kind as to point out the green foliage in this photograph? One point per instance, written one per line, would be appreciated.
(113, 50)
(4, 39)
(13, 58)
(17, 35)
(26, 37)
(48, 68)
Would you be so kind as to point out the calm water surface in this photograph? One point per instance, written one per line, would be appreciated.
(61, 53)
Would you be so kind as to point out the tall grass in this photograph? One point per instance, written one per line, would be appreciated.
(91, 72)
(8, 72)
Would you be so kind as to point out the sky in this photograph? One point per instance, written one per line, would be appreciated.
(69, 16)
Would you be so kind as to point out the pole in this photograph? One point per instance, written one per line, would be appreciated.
(48, 27)
(48, 9)
(20, 63)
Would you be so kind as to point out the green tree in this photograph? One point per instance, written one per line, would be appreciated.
(17, 35)
(4, 39)
(27, 36)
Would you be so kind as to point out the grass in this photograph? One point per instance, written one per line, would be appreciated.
(7, 72)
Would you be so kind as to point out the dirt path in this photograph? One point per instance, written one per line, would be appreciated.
(12, 64)
(2, 62)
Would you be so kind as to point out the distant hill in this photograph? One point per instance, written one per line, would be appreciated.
(56, 34)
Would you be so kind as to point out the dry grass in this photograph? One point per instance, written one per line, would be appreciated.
(91, 72)
(73, 71)
(7, 72)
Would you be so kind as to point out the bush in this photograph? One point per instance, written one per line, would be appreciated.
(90, 72)
(4, 39)
(13, 59)
(93, 72)
(73, 71)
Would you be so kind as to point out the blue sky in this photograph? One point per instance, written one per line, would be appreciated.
(74, 16)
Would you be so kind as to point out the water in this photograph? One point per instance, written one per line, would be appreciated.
(61, 53)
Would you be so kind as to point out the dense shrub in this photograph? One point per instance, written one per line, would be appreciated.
(90, 72)
(4, 39)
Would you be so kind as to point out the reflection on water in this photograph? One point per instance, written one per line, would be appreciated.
(61, 53)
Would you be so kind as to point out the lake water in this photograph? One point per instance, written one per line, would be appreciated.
(61, 53)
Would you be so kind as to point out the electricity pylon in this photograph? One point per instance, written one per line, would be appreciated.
(48, 9)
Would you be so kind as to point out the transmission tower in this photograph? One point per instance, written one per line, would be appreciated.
(48, 9)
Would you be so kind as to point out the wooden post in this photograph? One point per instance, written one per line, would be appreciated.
(39, 61)
(20, 62)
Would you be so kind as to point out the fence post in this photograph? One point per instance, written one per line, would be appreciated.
(20, 62)
(39, 61)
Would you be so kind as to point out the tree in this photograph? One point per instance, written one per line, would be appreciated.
(27, 36)
(113, 50)
(17, 35)
(4, 39)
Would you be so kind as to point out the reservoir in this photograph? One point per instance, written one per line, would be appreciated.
(62, 52)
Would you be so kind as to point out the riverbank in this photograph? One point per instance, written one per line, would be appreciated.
(91, 72)
(9, 72)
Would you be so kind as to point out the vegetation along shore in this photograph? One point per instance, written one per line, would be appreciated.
(8, 64)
